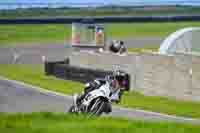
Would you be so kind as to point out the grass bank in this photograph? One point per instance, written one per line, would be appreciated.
(34, 75)
(29, 34)
(146, 49)
(61, 123)
(45, 34)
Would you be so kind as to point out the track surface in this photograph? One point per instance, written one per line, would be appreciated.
(18, 97)
(32, 54)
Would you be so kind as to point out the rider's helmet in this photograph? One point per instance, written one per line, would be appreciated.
(121, 42)
(115, 46)
(121, 78)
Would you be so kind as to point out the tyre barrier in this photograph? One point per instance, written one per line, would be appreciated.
(66, 71)
(50, 66)
(75, 73)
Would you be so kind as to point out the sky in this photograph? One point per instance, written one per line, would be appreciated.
(98, 1)
(106, 2)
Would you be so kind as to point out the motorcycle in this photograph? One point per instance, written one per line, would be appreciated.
(98, 101)
(95, 102)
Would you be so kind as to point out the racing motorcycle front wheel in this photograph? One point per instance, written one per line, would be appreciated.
(72, 109)
(97, 107)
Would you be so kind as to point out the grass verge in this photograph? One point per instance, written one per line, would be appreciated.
(30, 34)
(132, 30)
(34, 75)
(49, 33)
(61, 123)
(139, 50)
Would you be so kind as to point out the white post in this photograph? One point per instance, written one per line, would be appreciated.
(75, 34)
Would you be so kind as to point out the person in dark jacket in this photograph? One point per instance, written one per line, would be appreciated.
(117, 46)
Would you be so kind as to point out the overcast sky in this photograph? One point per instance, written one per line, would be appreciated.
(97, 1)
(83, 3)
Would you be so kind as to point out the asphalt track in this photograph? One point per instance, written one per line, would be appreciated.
(32, 54)
(19, 97)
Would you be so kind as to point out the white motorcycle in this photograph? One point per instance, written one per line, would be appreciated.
(99, 98)
(95, 102)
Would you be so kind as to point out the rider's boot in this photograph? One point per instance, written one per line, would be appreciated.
(78, 98)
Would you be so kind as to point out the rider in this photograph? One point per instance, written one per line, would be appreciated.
(117, 46)
(117, 84)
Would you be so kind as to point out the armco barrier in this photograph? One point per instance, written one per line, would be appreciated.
(78, 74)
(49, 67)
(65, 71)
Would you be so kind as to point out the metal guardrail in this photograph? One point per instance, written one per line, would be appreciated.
(64, 70)
(111, 19)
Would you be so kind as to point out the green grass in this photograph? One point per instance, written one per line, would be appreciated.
(146, 49)
(62, 123)
(34, 75)
(146, 29)
(29, 34)
(161, 104)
